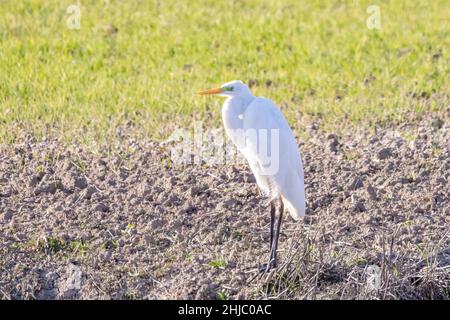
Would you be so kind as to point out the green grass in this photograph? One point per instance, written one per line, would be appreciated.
(54, 245)
(51, 245)
(217, 263)
(222, 296)
(316, 56)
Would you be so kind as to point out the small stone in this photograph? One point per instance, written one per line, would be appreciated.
(135, 201)
(173, 181)
(158, 223)
(372, 192)
(230, 203)
(333, 143)
(48, 188)
(419, 210)
(89, 192)
(21, 236)
(81, 183)
(390, 166)
(144, 190)
(399, 142)
(195, 191)
(8, 215)
(36, 179)
(172, 199)
(106, 255)
(360, 207)
(160, 210)
(405, 180)
(356, 184)
(123, 174)
(101, 208)
(437, 123)
(5, 194)
(97, 197)
(384, 153)
(187, 208)
(207, 292)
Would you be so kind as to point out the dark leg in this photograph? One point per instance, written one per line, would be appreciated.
(277, 236)
(274, 240)
(272, 222)
(273, 209)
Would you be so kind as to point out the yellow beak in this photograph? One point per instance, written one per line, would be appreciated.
(210, 91)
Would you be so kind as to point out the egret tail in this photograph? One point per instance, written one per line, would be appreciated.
(294, 197)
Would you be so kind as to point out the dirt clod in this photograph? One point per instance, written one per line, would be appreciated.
(8, 215)
(101, 207)
(384, 153)
(80, 183)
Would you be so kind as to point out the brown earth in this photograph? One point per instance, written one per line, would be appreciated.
(122, 222)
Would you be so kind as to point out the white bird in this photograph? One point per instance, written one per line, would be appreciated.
(261, 133)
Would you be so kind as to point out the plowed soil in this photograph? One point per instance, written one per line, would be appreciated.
(122, 222)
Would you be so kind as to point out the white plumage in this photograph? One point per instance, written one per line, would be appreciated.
(242, 113)
(261, 133)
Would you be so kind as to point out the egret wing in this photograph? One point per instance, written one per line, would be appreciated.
(273, 154)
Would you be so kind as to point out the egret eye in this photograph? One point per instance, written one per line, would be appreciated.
(229, 88)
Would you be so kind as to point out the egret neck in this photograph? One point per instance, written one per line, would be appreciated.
(233, 111)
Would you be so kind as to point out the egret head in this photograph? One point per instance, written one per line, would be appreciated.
(235, 88)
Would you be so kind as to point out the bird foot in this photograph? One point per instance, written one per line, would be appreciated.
(264, 269)
(267, 267)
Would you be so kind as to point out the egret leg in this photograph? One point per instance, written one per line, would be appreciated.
(273, 209)
(273, 251)
(272, 222)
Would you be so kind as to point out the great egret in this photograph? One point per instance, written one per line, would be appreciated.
(261, 133)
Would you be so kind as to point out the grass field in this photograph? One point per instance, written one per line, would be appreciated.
(93, 204)
(144, 60)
